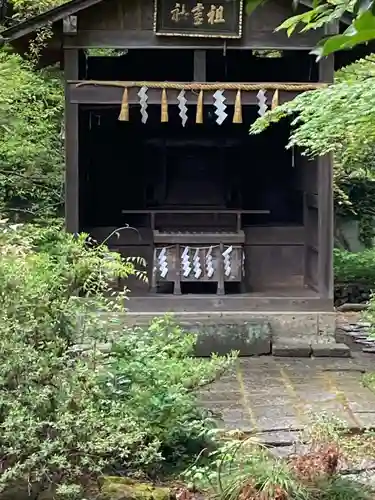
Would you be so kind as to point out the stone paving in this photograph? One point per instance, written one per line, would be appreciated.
(355, 332)
(278, 397)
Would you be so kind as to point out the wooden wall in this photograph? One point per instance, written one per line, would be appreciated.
(309, 184)
(116, 23)
(274, 257)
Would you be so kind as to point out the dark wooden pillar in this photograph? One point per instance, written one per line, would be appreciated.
(199, 65)
(325, 195)
(325, 227)
(71, 61)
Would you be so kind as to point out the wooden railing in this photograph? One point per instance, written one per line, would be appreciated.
(237, 213)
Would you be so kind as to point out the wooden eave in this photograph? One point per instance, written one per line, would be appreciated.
(51, 16)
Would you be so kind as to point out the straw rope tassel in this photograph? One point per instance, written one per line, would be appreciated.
(237, 117)
(275, 99)
(199, 117)
(164, 107)
(124, 113)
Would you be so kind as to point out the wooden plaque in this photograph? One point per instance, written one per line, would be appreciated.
(206, 19)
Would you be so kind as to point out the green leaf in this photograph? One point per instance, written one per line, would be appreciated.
(342, 42)
(361, 31)
(365, 21)
(291, 23)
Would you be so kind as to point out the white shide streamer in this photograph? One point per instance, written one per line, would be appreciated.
(182, 107)
(197, 264)
(262, 102)
(142, 94)
(209, 267)
(185, 262)
(163, 265)
(227, 263)
(220, 106)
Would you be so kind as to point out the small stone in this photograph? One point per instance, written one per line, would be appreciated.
(369, 350)
(291, 349)
(357, 328)
(367, 343)
(330, 350)
(346, 328)
(358, 336)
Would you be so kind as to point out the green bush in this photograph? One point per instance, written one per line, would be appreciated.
(247, 470)
(31, 139)
(355, 267)
(70, 409)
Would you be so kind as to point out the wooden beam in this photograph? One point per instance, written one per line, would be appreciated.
(325, 192)
(199, 65)
(325, 227)
(71, 62)
(133, 39)
(96, 94)
(327, 64)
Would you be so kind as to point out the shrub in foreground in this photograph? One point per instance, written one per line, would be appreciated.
(68, 414)
(245, 470)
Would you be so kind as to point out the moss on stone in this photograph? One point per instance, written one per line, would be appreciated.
(119, 488)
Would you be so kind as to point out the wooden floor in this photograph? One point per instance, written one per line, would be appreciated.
(280, 299)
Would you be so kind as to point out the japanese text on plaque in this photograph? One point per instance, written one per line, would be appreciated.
(215, 14)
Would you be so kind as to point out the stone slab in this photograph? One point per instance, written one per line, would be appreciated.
(282, 438)
(282, 396)
(250, 338)
(330, 350)
(291, 349)
(286, 324)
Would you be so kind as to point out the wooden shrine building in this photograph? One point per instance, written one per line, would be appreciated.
(157, 137)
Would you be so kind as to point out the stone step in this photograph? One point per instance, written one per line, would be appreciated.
(218, 333)
(304, 349)
(250, 338)
(247, 332)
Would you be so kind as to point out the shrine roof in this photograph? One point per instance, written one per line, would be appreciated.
(71, 7)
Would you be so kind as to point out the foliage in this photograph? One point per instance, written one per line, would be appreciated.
(361, 28)
(355, 267)
(23, 9)
(81, 394)
(338, 120)
(335, 119)
(247, 471)
(357, 202)
(359, 13)
(31, 146)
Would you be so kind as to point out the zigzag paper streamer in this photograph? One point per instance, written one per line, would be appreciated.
(262, 102)
(182, 107)
(142, 94)
(220, 106)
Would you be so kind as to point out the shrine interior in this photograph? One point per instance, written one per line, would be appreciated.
(131, 166)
